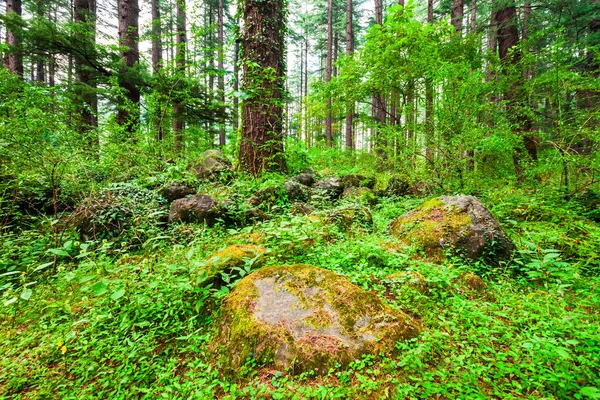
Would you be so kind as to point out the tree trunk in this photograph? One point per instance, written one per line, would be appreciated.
(508, 38)
(473, 16)
(157, 58)
(221, 67)
(378, 105)
(328, 120)
(128, 114)
(429, 123)
(157, 64)
(456, 19)
(236, 72)
(14, 60)
(263, 44)
(84, 14)
(178, 107)
(349, 51)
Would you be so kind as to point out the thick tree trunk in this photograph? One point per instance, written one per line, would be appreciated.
(508, 38)
(473, 16)
(263, 44)
(458, 10)
(128, 114)
(84, 14)
(349, 51)
(221, 66)
(178, 108)
(328, 119)
(14, 59)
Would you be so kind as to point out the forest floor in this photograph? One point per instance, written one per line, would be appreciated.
(108, 320)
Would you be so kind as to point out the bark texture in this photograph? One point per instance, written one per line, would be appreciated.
(128, 15)
(178, 108)
(14, 59)
(263, 46)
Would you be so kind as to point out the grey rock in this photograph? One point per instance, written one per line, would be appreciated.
(199, 208)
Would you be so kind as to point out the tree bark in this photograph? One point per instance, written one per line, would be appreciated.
(128, 114)
(221, 66)
(328, 119)
(508, 38)
(14, 59)
(379, 104)
(349, 52)
(263, 46)
(429, 123)
(236, 72)
(458, 9)
(84, 14)
(178, 107)
(157, 58)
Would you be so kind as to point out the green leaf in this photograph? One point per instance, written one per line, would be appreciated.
(118, 294)
(10, 301)
(26, 294)
(59, 252)
(591, 392)
(99, 289)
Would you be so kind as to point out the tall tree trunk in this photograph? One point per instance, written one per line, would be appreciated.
(178, 107)
(349, 52)
(221, 67)
(84, 14)
(14, 60)
(328, 119)
(157, 63)
(429, 123)
(157, 58)
(236, 72)
(458, 10)
(263, 44)
(379, 104)
(508, 38)
(473, 16)
(128, 114)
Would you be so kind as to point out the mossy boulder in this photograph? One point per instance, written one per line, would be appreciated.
(459, 224)
(397, 186)
(350, 217)
(330, 188)
(175, 190)
(199, 208)
(229, 261)
(302, 318)
(305, 178)
(212, 166)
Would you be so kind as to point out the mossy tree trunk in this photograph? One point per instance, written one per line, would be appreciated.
(263, 44)
(128, 114)
(14, 59)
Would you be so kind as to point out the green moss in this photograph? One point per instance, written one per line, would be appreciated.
(333, 321)
(230, 258)
(431, 228)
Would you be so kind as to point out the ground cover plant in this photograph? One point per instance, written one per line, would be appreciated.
(110, 317)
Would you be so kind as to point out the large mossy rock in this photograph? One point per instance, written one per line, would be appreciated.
(460, 224)
(199, 208)
(304, 318)
(212, 166)
(350, 217)
(358, 181)
(331, 188)
(175, 190)
(230, 261)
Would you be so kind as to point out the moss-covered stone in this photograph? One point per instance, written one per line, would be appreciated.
(460, 225)
(226, 261)
(303, 318)
(350, 217)
(474, 282)
(360, 195)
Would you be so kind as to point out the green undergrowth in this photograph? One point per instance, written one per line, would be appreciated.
(106, 320)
